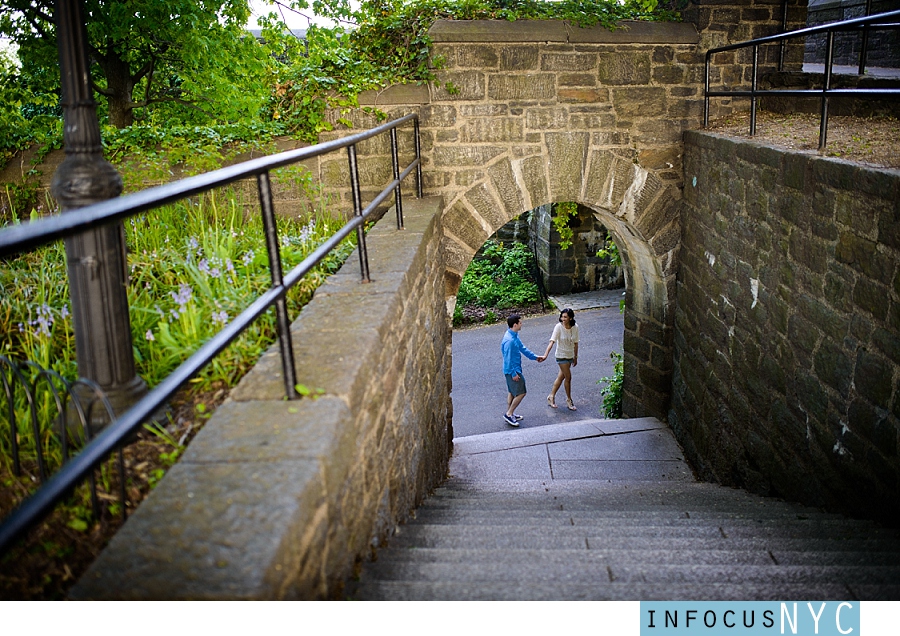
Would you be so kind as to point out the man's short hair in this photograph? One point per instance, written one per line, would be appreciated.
(513, 319)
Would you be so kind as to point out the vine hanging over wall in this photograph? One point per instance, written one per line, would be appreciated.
(563, 213)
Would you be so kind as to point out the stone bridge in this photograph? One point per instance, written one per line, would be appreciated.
(531, 113)
(762, 314)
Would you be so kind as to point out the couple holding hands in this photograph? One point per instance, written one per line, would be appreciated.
(565, 335)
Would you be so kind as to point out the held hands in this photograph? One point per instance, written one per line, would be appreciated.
(541, 358)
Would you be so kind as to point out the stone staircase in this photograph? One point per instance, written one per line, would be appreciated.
(657, 538)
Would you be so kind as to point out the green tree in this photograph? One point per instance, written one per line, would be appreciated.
(189, 56)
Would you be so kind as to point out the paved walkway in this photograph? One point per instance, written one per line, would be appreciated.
(479, 390)
(641, 449)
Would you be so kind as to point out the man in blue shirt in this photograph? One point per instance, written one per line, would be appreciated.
(512, 349)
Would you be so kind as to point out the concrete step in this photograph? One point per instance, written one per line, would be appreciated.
(569, 540)
(600, 571)
(702, 554)
(654, 517)
(488, 535)
(518, 591)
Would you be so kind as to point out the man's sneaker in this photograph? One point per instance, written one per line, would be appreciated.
(518, 417)
(510, 420)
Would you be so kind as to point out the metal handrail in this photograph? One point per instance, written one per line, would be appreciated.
(24, 237)
(865, 23)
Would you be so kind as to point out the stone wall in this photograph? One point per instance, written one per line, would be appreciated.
(787, 331)
(576, 268)
(883, 47)
(564, 271)
(531, 113)
(276, 499)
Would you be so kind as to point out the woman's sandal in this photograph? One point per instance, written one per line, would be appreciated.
(550, 402)
(570, 404)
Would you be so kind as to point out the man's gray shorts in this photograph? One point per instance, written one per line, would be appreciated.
(516, 387)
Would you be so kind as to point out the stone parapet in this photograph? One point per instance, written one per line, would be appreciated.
(787, 329)
(276, 499)
(627, 32)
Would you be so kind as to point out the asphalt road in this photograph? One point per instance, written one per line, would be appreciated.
(479, 388)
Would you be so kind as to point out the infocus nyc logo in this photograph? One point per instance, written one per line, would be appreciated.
(803, 618)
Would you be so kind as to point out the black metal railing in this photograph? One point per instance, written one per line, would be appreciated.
(22, 238)
(864, 24)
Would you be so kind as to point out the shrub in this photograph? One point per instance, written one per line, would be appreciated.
(612, 392)
(499, 278)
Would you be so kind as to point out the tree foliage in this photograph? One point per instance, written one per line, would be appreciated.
(163, 69)
(190, 59)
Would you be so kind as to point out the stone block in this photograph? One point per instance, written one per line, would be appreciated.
(624, 68)
(534, 172)
(464, 156)
(216, 531)
(468, 178)
(495, 130)
(567, 155)
(504, 182)
(582, 95)
(519, 58)
(668, 74)
(498, 31)
(398, 94)
(446, 136)
(809, 252)
(833, 367)
(889, 224)
(599, 121)
(887, 343)
(458, 219)
(492, 211)
(556, 62)
(438, 116)
(636, 32)
(871, 297)
(458, 86)
(483, 110)
(457, 255)
(811, 395)
(546, 118)
(570, 80)
(480, 57)
(667, 238)
(639, 102)
(873, 378)
(524, 87)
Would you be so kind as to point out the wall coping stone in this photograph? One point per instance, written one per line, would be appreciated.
(396, 94)
(630, 32)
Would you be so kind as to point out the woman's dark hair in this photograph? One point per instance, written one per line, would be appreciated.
(571, 315)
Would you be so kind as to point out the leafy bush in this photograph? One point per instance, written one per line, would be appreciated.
(500, 278)
(612, 392)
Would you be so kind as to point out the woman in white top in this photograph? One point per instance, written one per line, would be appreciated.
(565, 335)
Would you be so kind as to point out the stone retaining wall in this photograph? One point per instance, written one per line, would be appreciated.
(787, 330)
(276, 499)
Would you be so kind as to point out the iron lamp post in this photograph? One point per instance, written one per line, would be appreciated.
(95, 259)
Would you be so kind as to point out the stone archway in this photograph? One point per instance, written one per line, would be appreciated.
(638, 208)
